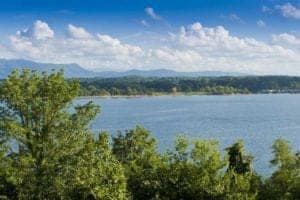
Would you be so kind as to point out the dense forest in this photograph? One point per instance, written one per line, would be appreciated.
(188, 85)
(47, 151)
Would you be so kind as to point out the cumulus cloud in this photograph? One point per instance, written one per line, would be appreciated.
(39, 31)
(287, 40)
(192, 48)
(78, 32)
(80, 46)
(218, 39)
(178, 59)
(152, 14)
(289, 11)
(33, 41)
(216, 49)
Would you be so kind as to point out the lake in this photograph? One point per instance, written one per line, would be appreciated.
(257, 119)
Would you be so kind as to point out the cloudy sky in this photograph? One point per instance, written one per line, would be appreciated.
(250, 36)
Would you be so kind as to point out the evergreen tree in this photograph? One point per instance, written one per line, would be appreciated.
(239, 162)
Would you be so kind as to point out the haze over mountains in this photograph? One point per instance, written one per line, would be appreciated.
(76, 71)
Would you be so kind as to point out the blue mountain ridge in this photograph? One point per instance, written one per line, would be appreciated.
(73, 70)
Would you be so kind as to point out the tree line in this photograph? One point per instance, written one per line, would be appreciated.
(188, 85)
(47, 151)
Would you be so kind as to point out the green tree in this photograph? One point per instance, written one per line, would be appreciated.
(238, 160)
(193, 172)
(136, 150)
(284, 184)
(53, 153)
(240, 186)
(7, 189)
(240, 181)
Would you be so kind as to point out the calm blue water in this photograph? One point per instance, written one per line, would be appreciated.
(257, 119)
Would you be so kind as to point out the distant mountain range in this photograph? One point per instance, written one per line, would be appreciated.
(76, 71)
(70, 70)
(165, 73)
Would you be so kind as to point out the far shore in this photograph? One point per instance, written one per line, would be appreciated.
(175, 94)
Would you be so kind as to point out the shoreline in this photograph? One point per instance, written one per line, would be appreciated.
(176, 95)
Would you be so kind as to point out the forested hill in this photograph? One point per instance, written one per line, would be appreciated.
(135, 85)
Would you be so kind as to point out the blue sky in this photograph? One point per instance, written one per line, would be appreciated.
(123, 16)
(255, 36)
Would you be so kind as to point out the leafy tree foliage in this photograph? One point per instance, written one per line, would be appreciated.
(52, 153)
(47, 150)
(136, 150)
(238, 161)
(193, 172)
(285, 181)
(241, 181)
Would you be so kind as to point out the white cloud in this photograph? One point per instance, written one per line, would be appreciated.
(287, 40)
(261, 23)
(219, 50)
(152, 14)
(289, 11)
(219, 39)
(174, 58)
(5, 52)
(80, 46)
(39, 31)
(33, 41)
(78, 32)
(193, 48)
